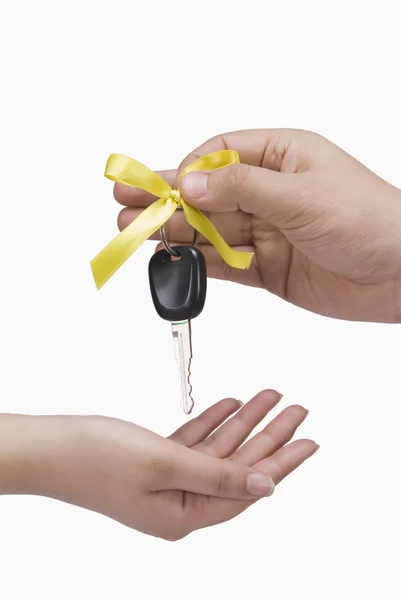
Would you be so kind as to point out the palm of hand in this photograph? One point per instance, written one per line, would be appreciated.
(284, 270)
(145, 478)
(266, 451)
(313, 267)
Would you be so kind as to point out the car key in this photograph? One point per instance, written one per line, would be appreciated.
(178, 289)
(183, 356)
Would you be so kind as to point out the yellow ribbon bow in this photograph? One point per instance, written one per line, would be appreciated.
(125, 170)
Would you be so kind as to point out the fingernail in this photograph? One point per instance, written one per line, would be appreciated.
(194, 185)
(240, 403)
(259, 485)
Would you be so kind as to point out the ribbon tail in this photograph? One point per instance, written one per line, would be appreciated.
(114, 255)
(234, 258)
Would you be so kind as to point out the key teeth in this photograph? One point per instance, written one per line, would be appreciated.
(190, 389)
(190, 409)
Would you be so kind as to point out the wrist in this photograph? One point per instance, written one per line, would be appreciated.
(34, 452)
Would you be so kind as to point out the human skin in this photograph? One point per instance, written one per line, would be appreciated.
(325, 230)
(202, 475)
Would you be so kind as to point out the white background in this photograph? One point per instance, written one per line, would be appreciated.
(82, 79)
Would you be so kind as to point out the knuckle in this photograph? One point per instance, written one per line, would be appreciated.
(276, 150)
(247, 229)
(267, 438)
(240, 458)
(209, 442)
(227, 272)
(180, 437)
(238, 177)
(295, 210)
(304, 135)
(223, 482)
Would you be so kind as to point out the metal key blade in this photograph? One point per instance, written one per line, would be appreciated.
(183, 354)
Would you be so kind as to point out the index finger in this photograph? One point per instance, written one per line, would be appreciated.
(258, 147)
(129, 196)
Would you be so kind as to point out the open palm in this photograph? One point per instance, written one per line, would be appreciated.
(268, 451)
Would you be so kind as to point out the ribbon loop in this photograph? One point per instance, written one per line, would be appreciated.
(125, 170)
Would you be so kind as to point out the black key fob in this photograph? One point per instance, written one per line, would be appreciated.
(178, 285)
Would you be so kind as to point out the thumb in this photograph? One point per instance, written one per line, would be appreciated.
(255, 190)
(202, 474)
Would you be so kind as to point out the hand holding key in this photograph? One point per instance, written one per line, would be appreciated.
(326, 231)
(204, 474)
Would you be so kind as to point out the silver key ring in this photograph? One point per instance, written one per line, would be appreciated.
(170, 249)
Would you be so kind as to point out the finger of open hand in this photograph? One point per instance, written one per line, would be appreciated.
(287, 459)
(204, 512)
(235, 227)
(196, 430)
(230, 435)
(275, 435)
(129, 196)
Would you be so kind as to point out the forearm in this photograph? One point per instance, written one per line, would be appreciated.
(33, 453)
